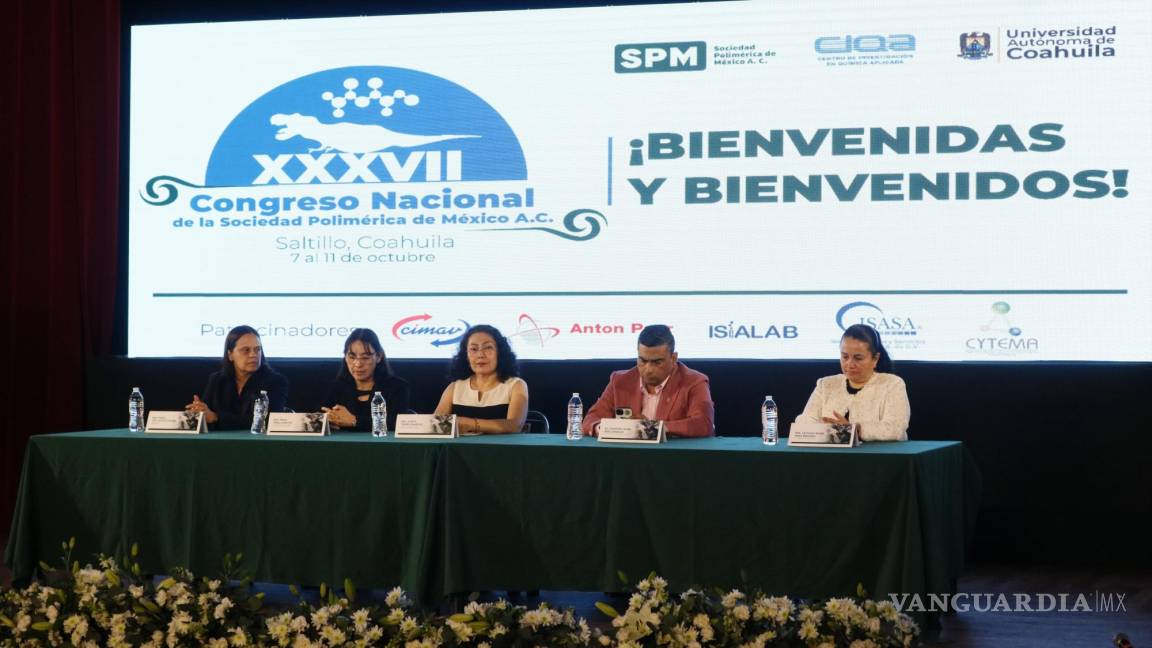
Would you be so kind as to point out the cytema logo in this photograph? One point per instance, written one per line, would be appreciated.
(366, 124)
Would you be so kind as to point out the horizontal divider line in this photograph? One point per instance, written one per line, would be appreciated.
(641, 293)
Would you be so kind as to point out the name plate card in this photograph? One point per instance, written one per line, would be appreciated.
(426, 426)
(307, 424)
(175, 422)
(823, 435)
(621, 430)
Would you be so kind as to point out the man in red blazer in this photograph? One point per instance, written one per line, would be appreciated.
(660, 388)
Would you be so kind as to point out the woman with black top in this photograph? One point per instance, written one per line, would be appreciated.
(228, 400)
(488, 396)
(365, 370)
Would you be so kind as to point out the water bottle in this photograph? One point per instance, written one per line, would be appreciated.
(768, 416)
(135, 410)
(379, 415)
(259, 411)
(575, 417)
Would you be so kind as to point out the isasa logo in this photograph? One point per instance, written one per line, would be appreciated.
(352, 145)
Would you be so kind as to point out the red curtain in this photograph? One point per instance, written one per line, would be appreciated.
(59, 146)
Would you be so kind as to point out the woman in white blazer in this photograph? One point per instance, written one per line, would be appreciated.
(866, 392)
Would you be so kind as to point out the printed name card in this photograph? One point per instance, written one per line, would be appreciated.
(624, 430)
(292, 424)
(823, 435)
(426, 426)
(175, 422)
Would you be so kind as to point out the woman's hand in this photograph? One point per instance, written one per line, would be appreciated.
(197, 406)
(339, 416)
(835, 419)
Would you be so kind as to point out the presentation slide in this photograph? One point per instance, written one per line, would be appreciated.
(971, 178)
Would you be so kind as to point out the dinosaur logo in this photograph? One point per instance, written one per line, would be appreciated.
(347, 137)
(366, 124)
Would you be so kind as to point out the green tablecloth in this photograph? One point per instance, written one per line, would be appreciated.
(520, 512)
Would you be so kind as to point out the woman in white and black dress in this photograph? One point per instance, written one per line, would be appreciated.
(488, 396)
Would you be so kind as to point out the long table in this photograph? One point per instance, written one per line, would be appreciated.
(520, 512)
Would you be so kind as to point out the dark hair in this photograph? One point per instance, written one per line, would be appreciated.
(230, 343)
(368, 337)
(506, 366)
(871, 337)
(655, 335)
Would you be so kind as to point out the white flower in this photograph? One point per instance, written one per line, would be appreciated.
(409, 627)
(52, 612)
(807, 631)
(213, 585)
(22, 623)
(238, 638)
(334, 636)
(136, 591)
(222, 609)
(732, 598)
(299, 624)
(320, 618)
(301, 641)
(862, 643)
(395, 598)
(475, 608)
(360, 619)
(497, 630)
(396, 615)
(218, 643)
(741, 612)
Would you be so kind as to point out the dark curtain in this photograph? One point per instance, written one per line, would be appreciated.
(59, 146)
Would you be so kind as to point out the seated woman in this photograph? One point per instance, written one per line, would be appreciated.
(487, 397)
(228, 399)
(365, 370)
(866, 392)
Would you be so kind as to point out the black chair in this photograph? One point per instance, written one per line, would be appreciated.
(536, 423)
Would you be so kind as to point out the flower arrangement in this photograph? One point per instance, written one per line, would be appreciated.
(695, 619)
(112, 604)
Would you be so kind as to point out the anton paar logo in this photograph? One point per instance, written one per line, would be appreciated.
(687, 56)
(424, 327)
(529, 331)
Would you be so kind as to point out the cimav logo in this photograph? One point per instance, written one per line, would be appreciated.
(351, 146)
(366, 124)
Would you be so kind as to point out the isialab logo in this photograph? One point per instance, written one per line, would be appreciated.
(352, 145)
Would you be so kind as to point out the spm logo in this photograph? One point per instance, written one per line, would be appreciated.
(867, 44)
(661, 57)
(424, 328)
(366, 124)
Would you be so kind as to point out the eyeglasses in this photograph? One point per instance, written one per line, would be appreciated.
(364, 358)
(485, 349)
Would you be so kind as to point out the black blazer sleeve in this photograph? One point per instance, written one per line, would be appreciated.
(277, 388)
(399, 399)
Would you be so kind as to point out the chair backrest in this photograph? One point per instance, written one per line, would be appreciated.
(536, 423)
